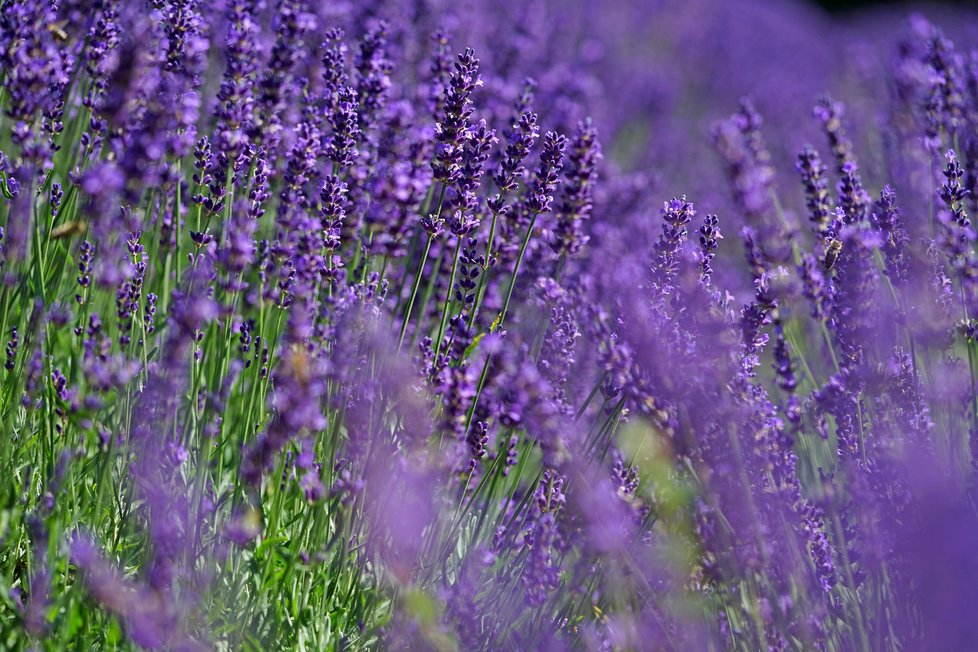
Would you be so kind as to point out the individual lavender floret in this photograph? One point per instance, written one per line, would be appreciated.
(839, 397)
(478, 147)
(309, 471)
(470, 267)
(574, 208)
(911, 412)
(182, 25)
(710, 237)
(373, 74)
(103, 39)
(753, 317)
(478, 440)
(829, 112)
(753, 255)
(54, 199)
(971, 163)
(11, 350)
(398, 185)
(511, 453)
(816, 182)
(259, 193)
(788, 382)
(335, 77)
(853, 199)
(557, 354)
(514, 390)
(957, 243)
(129, 291)
(540, 197)
(946, 104)
(184, 69)
(244, 340)
(541, 573)
(300, 169)
(854, 286)
(32, 379)
(36, 73)
(53, 121)
(516, 232)
(333, 213)
(896, 241)
(526, 97)
(238, 249)
(60, 384)
(276, 86)
(432, 225)
(235, 113)
(464, 218)
(452, 127)
(440, 72)
(203, 164)
(952, 192)
(819, 547)
(455, 379)
(625, 478)
(341, 145)
(676, 215)
(742, 147)
(519, 141)
(817, 289)
(149, 314)
(784, 374)
(749, 122)
(86, 255)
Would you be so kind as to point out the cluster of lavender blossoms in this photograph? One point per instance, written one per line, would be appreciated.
(467, 326)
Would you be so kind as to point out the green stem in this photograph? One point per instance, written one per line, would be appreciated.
(448, 299)
(414, 292)
(516, 268)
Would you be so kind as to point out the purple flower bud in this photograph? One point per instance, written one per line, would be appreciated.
(548, 176)
(813, 176)
(453, 124)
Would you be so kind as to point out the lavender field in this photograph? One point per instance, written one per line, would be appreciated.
(488, 325)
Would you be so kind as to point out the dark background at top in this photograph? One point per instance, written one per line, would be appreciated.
(840, 6)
